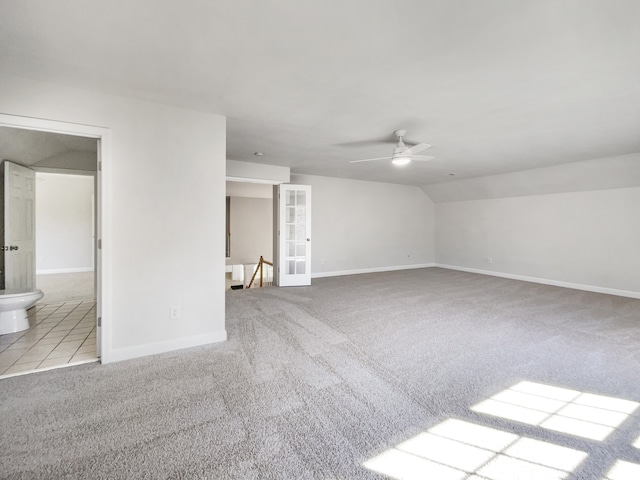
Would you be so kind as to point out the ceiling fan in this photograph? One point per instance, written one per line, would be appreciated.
(402, 155)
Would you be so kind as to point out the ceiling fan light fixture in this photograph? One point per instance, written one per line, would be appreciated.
(401, 154)
(400, 161)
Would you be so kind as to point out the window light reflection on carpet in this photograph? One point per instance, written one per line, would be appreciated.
(563, 410)
(455, 449)
(622, 470)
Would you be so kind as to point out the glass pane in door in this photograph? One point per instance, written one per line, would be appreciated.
(291, 214)
(291, 267)
(300, 266)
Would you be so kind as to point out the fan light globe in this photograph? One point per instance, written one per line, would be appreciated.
(401, 161)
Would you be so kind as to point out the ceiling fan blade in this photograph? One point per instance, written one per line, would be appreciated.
(421, 158)
(416, 148)
(370, 160)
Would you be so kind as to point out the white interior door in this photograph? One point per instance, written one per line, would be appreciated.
(19, 227)
(294, 235)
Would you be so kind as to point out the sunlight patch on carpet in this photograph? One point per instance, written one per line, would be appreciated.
(622, 470)
(562, 410)
(455, 449)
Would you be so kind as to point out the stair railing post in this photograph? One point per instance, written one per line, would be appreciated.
(261, 262)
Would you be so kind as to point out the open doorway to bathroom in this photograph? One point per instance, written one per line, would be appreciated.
(62, 325)
(249, 232)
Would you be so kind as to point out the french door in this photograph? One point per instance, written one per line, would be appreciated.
(293, 246)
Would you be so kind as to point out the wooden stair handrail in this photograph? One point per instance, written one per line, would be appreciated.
(259, 267)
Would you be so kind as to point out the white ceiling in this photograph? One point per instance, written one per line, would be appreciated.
(494, 86)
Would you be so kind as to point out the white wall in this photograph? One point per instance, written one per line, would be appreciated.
(252, 190)
(167, 206)
(251, 230)
(589, 238)
(64, 223)
(256, 172)
(367, 226)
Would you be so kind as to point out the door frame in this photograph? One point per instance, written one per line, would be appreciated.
(274, 199)
(103, 211)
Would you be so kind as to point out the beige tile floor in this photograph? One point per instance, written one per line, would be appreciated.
(58, 334)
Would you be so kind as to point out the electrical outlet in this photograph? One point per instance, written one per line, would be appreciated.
(323, 261)
(175, 312)
(489, 260)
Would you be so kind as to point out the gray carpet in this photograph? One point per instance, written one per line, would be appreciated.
(317, 382)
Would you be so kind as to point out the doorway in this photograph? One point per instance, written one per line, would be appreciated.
(89, 318)
(249, 231)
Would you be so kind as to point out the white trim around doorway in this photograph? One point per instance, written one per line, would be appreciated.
(103, 134)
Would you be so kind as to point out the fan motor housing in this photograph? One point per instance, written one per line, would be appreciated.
(400, 133)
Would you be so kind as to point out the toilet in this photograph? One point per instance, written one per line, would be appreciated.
(13, 309)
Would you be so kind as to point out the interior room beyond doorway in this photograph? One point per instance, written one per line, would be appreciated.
(65, 237)
(249, 230)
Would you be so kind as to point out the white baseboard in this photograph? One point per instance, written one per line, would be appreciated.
(371, 270)
(64, 270)
(546, 281)
(119, 354)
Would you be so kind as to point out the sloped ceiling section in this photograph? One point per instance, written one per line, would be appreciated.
(48, 152)
(599, 174)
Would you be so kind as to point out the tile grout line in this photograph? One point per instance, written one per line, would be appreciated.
(76, 307)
